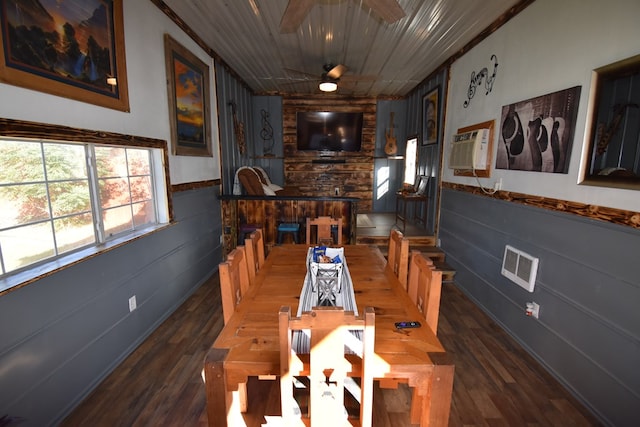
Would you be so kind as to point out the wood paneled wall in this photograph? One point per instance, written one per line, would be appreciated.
(269, 212)
(315, 174)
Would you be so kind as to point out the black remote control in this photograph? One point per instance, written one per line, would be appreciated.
(403, 325)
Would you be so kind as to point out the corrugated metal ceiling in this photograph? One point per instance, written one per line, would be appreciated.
(383, 59)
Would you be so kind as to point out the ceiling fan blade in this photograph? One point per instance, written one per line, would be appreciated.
(389, 10)
(294, 14)
(336, 71)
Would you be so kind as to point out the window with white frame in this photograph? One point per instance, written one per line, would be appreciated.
(58, 197)
(410, 159)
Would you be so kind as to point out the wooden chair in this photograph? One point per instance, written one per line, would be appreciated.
(254, 248)
(324, 226)
(327, 367)
(424, 288)
(398, 256)
(234, 280)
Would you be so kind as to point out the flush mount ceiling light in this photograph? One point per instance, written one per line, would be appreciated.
(328, 86)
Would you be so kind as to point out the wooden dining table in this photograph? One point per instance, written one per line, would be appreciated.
(248, 344)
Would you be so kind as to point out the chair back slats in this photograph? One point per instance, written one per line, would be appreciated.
(324, 232)
(425, 287)
(234, 281)
(398, 256)
(331, 330)
(254, 249)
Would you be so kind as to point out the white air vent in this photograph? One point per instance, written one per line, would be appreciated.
(519, 267)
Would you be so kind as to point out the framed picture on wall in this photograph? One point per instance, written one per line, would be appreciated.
(430, 116)
(189, 106)
(73, 49)
(536, 134)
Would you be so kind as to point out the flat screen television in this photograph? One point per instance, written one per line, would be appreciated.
(329, 131)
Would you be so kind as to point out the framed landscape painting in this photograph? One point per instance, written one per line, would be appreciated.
(189, 109)
(71, 48)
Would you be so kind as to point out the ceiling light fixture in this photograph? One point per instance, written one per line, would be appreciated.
(328, 86)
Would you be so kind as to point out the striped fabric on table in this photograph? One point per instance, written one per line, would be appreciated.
(308, 298)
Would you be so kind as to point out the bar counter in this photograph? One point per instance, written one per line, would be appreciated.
(268, 212)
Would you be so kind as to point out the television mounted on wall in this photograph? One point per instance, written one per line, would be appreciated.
(329, 131)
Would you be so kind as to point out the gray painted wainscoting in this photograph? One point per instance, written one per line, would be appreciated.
(60, 336)
(588, 288)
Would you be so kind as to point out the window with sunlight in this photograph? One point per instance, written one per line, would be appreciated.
(410, 159)
(59, 197)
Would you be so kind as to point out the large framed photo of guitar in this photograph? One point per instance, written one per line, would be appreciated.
(431, 117)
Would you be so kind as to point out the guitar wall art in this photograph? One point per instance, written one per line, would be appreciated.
(391, 146)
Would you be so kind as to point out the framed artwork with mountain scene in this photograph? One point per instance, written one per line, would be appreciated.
(189, 108)
(71, 48)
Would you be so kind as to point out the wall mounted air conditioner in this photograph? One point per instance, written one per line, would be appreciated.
(469, 150)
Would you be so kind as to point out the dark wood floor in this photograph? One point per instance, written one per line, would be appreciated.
(496, 382)
(384, 222)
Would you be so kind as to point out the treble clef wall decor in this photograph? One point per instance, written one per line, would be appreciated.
(476, 80)
(266, 133)
(238, 128)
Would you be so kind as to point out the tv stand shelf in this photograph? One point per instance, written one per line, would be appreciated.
(328, 161)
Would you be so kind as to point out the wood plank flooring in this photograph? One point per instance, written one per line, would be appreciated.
(496, 382)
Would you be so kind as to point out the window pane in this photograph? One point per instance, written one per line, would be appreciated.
(144, 213)
(117, 220)
(111, 162)
(26, 245)
(69, 197)
(46, 197)
(139, 163)
(410, 161)
(140, 188)
(23, 203)
(74, 232)
(114, 192)
(21, 162)
(65, 161)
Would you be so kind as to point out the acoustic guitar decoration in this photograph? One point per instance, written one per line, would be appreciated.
(390, 147)
(606, 134)
(238, 128)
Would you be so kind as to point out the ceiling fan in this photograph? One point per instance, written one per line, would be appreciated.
(332, 75)
(297, 10)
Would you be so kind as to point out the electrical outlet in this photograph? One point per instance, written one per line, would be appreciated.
(132, 303)
(533, 310)
(497, 186)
